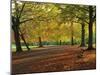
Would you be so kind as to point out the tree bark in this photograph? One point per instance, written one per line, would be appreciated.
(17, 38)
(40, 42)
(60, 42)
(90, 41)
(15, 27)
(72, 34)
(24, 41)
(82, 35)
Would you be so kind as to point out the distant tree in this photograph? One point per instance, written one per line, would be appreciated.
(69, 16)
(82, 35)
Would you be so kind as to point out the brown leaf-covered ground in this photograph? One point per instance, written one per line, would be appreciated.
(53, 59)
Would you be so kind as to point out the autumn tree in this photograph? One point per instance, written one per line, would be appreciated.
(87, 15)
(16, 21)
(69, 16)
(92, 16)
(41, 22)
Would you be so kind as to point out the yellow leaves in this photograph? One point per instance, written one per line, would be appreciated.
(50, 21)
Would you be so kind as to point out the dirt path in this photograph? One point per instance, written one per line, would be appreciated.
(55, 58)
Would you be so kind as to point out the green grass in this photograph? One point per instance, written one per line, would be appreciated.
(31, 47)
(13, 47)
(94, 45)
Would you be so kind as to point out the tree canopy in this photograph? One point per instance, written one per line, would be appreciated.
(52, 22)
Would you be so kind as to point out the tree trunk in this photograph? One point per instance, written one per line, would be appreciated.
(60, 42)
(72, 39)
(90, 41)
(40, 42)
(17, 38)
(83, 35)
(24, 41)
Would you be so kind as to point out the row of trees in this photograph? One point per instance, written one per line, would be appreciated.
(51, 22)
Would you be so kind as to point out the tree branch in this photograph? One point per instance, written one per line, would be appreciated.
(82, 19)
(26, 20)
(94, 17)
(21, 10)
(16, 8)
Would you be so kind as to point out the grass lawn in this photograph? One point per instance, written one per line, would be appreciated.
(13, 47)
(31, 47)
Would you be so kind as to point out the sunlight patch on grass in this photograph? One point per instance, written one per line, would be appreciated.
(94, 45)
(13, 47)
